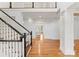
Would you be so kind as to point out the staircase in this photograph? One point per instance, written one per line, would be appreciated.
(14, 38)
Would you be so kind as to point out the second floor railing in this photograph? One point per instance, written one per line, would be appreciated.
(30, 5)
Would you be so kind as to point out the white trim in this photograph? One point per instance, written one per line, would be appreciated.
(34, 9)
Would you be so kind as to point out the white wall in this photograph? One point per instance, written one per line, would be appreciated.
(50, 30)
(76, 27)
(16, 14)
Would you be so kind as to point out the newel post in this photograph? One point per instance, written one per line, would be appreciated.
(24, 44)
(31, 37)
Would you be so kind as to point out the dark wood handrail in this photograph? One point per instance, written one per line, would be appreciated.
(10, 41)
(15, 20)
(10, 26)
(2, 40)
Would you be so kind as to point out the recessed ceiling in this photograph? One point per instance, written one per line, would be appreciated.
(41, 16)
(74, 6)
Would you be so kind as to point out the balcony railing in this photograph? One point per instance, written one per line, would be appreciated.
(28, 5)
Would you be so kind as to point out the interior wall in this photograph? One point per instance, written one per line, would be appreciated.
(50, 30)
(16, 15)
(76, 27)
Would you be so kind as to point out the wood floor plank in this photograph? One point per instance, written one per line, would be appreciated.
(45, 48)
(50, 48)
(76, 47)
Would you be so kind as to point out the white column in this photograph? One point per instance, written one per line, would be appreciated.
(69, 33)
(62, 29)
(67, 43)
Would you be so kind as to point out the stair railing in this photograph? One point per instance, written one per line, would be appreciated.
(15, 43)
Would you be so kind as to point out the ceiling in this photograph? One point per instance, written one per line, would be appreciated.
(74, 6)
(41, 16)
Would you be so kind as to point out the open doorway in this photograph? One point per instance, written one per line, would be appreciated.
(42, 22)
(39, 31)
(45, 27)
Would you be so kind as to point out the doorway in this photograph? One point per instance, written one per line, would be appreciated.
(45, 28)
(39, 31)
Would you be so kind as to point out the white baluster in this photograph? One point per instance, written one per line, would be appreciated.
(23, 47)
(20, 49)
(19, 44)
(0, 34)
(14, 44)
(10, 49)
(10, 42)
(4, 39)
(7, 42)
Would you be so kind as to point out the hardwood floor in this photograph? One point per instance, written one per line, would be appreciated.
(45, 48)
(50, 48)
(76, 47)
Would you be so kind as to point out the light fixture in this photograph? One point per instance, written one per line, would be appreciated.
(40, 16)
